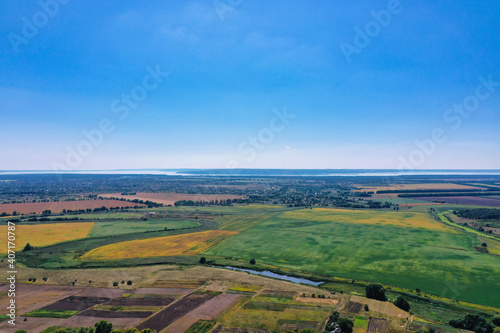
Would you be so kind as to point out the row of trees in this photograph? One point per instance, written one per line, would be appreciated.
(100, 327)
(227, 202)
(479, 214)
(149, 203)
(476, 323)
(377, 291)
(345, 324)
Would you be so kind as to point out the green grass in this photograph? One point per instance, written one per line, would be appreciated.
(360, 324)
(201, 326)
(440, 261)
(343, 287)
(103, 216)
(268, 306)
(262, 319)
(51, 313)
(51, 329)
(4, 317)
(136, 226)
(243, 222)
(245, 288)
(399, 201)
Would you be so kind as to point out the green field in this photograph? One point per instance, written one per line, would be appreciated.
(406, 249)
(360, 324)
(51, 313)
(263, 319)
(201, 326)
(136, 226)
(105, 216)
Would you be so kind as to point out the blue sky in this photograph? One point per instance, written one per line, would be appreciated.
(232, 66)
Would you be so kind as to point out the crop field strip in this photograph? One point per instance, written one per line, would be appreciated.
(360, 324)
(208, 310)
(116, 227)
(46, 234)
(378, 325)
(187, 244)
(398, 252)
(170, 314)
(115, 314)
(57, 255)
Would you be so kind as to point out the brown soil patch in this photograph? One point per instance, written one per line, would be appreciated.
(386, 308)
(353, 307)
(177, 284)
(278, 293)
(378, 325)
(162, 291)
(32, 297)
(76, 303)
(134, 301)
(311, 300)
(167, 316)
(32, 325)
(85, 321)
(208, 310)
(115, 314)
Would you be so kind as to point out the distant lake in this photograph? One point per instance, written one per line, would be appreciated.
(268, 172)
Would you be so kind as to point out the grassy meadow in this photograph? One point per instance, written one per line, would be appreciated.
(407, 249)
(131, 226)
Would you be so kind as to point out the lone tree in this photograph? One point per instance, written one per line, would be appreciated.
(345, 325)
(203, 260)
(402, 303)
(376, 291)
(252, 261)
(28, 247)
(103, 327)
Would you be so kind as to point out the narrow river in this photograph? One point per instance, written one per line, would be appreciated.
(277, 276)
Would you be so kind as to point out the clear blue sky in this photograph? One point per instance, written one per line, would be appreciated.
(230, 64)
